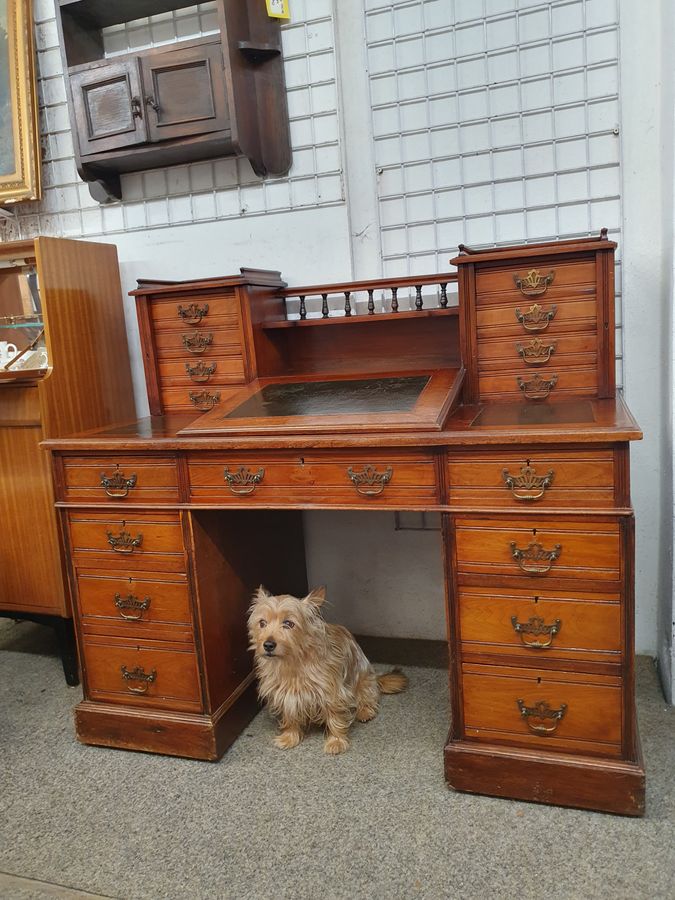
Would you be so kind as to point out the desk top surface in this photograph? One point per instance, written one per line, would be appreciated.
(575, 421)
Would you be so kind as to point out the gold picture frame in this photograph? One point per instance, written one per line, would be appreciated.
(19, 129)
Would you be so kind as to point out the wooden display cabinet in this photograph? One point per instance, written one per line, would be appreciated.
(214, 96)
(64, 366)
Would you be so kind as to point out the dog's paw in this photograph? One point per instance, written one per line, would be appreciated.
(335, 744)
(366, 713)
(287, 739)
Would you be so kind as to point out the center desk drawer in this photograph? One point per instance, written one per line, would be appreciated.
(540, 549)
(517, 480)
(127, 541)
(117, 672)
(389, 478)
(546, 709)
(135, 479)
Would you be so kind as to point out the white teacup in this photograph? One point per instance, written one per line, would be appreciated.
(7, 351)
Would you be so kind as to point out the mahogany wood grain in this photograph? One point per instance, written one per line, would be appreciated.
(147, 480)
(160, 545)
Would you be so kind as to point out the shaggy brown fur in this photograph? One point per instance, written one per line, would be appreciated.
(310, 672)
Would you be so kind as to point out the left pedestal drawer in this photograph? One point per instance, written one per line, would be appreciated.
(133, 479)
(125, 541)
(136, 675)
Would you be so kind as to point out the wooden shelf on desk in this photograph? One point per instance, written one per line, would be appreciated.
(375, 317)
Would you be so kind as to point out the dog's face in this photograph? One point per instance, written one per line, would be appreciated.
(283, 626)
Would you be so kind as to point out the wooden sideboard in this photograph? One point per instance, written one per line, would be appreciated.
(170, 522)
(72, 309)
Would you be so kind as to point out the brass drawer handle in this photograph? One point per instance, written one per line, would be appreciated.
(537, 388)
(534, 560)
(203, 400)
(243, 482)
(193, 314)
(132, 602)
(123, 542)
(534, 284)
(536, 353)
(536, 318)
(546, 719)
(535, 626)
(117, 485)
(197, 343)
(200, 372)
(369, 481)
(138, 674)
(528, 485)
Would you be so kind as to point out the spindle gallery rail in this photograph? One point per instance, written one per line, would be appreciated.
(380, 287)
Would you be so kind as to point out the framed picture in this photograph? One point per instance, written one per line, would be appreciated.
(19, 136)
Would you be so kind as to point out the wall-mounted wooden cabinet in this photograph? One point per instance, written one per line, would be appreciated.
(218, 95)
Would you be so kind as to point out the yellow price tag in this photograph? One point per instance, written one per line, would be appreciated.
(279, 9)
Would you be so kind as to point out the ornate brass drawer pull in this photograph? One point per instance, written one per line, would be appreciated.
(369, 481)
(123, 542)
(132, 602)
(196, 342)
(541, 718)
(536, 353)
(203, 400)
(534, 559)
(200, 372)
(537, 388)
(534, 284)
(243, 482)
(193, 314)
(528, 485)
(536, 318)
(138, 674)
(535, 626)
(117, 485)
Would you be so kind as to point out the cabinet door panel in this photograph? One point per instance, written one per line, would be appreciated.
(185, 92)
(108, 107)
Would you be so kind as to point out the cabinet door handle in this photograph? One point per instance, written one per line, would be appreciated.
(541, 718)
(153, 104)
(136, 108)
(528, 485)
(369, 481)
(534, 560)
(138, 674)
(243, 482)
(536, 318)
(534, 284)
(123, 542)
(117, 485)
(535, 626)
(537, 388)
(132, 602)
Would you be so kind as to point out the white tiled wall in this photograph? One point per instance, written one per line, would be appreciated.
(494, 121)
(201, 192)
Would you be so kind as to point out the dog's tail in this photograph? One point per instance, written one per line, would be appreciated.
(393, 682)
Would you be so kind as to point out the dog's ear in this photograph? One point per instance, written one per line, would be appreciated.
(317, 597)
(260, 594)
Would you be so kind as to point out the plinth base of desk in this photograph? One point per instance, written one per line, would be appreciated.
(173, 734)
(611, 786)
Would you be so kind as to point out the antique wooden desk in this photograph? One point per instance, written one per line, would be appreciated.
(499, 413)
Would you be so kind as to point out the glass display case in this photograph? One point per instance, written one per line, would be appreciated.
(23, 348)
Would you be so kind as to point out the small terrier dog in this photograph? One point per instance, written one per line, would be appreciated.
(310, 672)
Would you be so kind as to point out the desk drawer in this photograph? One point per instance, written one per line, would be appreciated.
(143, 605)
(194, 374)
(546, 625)
(544, 709)
(195, 398)
(540, 282)
(538, 352)
(551, 381)
(205, 313)
(139, 540)
(541, 549)
(121, 478)
(141, 676)
(517, 480)
(191, 344)
(387, 478)
(523, 319)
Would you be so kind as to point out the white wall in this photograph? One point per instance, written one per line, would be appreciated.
(433, 122)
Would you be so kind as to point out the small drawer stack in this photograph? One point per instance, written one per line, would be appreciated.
(538, 321)
(196, 342)
(135, 618)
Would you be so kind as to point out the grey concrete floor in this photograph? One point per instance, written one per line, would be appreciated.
(378, 822)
